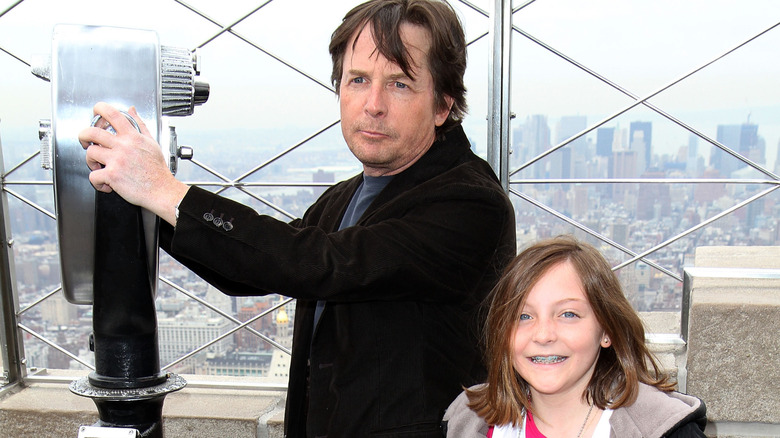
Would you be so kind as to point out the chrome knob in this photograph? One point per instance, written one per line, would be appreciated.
(180, 91)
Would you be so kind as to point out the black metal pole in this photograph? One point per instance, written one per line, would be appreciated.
(127, 385)
(124, 318)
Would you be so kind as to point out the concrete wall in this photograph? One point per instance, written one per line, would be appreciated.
(733, 361)
(44, 410)
(201, 410)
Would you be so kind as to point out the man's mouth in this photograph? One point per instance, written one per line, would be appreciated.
(548, 359)
(373, 133)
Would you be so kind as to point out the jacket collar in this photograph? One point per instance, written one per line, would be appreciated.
(442, 156)
(453, 147)
(654, 413)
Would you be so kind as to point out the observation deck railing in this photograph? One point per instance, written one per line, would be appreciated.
(492, 23)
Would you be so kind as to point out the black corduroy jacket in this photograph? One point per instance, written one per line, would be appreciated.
(398, 337)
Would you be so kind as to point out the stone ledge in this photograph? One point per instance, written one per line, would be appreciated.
(742, 430)
(756, 257)
(50, 410)
(203, 408)
(733, 362)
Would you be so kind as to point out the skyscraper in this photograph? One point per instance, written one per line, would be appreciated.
(692, 160)
(640, 140)
(604, 139)
(535, 139)
(564, 159)
(742, 139)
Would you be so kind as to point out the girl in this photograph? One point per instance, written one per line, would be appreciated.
(566, 357)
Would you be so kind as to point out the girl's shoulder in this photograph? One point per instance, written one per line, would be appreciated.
(461, 421)
(656, 410)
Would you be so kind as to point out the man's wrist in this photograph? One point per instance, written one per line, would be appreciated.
(175, 199)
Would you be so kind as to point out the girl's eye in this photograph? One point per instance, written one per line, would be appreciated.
(525, 317)
(569, 315)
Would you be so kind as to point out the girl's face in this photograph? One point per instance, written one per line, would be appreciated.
(556, 341)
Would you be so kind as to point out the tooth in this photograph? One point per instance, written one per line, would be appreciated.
(548, 359)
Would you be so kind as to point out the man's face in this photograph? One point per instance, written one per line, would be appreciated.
(387, 118)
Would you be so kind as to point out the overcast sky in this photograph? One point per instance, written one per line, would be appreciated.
(642, 45)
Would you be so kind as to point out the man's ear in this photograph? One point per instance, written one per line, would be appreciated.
(444, 112)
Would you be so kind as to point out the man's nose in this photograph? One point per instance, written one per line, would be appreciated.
(376, 104)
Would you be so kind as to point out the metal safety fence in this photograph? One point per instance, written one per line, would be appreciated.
(269, 137)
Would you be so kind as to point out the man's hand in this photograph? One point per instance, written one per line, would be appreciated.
(131, 164)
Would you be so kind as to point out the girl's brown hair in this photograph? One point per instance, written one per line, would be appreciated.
(619, 368)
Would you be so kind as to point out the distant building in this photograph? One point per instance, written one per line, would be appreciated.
(533, 140)
(58, 311)
(619, 232)
(321, 176)
(605, 137)
(245, 339)
(185, 333)
(581, 200)
(707, 193)
(239, 363)
(564, 160)
(279, 370)
(743, 139)
(640, 140)
(728, 135)
(692, 159)
(656, 199)
(642, 276)
(777, 158)
(623, 166)
(219, 300)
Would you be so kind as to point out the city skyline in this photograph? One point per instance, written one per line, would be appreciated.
(621, 212)
(233, 133)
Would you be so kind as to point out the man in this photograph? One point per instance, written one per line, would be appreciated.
(389, 267)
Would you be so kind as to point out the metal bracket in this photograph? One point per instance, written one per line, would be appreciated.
(107, 432)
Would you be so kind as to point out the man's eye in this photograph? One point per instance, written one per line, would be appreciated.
(358, 80)
(400, 85)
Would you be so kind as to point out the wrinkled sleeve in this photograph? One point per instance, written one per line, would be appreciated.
(444, 240)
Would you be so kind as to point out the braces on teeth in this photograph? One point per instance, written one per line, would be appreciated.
(548, 359)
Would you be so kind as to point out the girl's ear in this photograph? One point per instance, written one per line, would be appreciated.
(605, 341)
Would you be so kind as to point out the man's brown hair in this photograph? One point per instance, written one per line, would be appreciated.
(446, 56)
